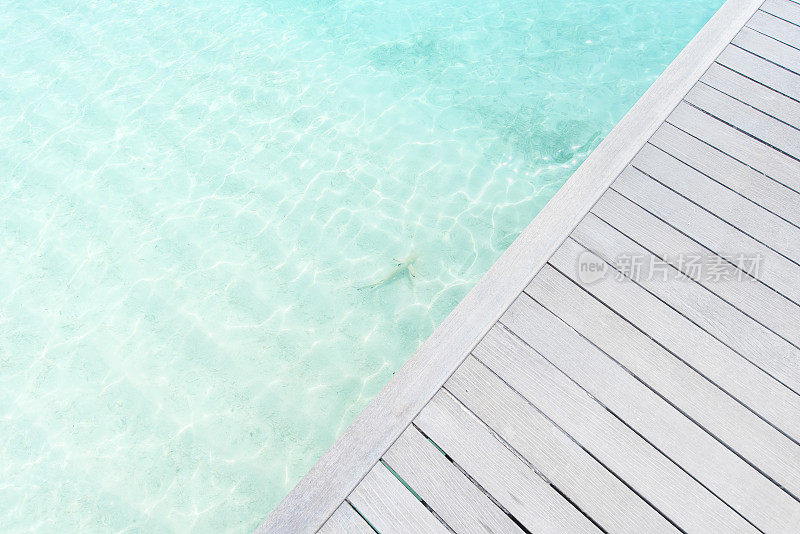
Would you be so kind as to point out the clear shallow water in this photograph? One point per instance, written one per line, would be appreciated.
(192, 192)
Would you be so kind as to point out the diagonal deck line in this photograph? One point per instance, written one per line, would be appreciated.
(340, 470)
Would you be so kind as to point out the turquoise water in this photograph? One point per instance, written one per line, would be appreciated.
(193, 193)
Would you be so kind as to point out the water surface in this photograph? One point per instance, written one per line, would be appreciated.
(193, 192)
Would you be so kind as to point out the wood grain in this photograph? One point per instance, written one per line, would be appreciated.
(339, 471)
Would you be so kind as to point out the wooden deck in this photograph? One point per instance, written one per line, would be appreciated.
(632, 362)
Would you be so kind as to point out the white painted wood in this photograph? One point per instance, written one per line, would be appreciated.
(692, 393)
(388, 505)
(769, 308)
(745, 180)
(784, 9)
(508, 479)
(776, 28)
(321, 491)
(707, 460)
(334, 476)
(644, 468)
(754, 94)
(769, 48)
(759, 69)
(760, 125)
(758, 223)
(776, 356)
(738, 145)
(592, 487)
(713, 233)
(462, 505)
(345, 520)
(741, 379)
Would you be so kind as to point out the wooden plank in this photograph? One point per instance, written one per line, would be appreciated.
(345, 520)
(758, 223)
(439, 483)
(512, 483)
(769, 308)
(779, 29)
(748, 182)
(741, 379)
(713, 233)
(738, 145)
(334, 476)
(771, 353)
(739, 115)
(587, 483)
(759, 69)
(730, 422)
(707, 460)
(754, 94)
(390, 507)
(783, 9)
(677, 495)
(768, 48)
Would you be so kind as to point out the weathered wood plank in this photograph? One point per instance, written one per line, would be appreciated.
(758, 223)
(587, 483)
(713, 233)
(692, 393)
(769, 308)
(388, 505)
(771, 353)
(345, 520)
(748, 182)
(759, 69)
(678, 496)
(768, 48)
(509, 480)
(462, 505)
(754, 94)
(783, 9)
(738, 145)
(740, 378)
(748, 119)
(779, 29)
(707, 460)
(321, 491)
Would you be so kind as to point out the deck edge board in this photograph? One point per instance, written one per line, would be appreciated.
(320, 492)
